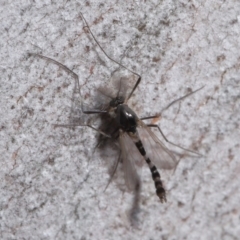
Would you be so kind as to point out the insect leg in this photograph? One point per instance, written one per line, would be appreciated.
(173, 102)
(165, 138)
(65, 68)
(150, 117)
(135, 86)
(84, 125)
(93, 111)
(113, 172)
(139, 77)
(181, 98)
(74, 75)
(160, 191)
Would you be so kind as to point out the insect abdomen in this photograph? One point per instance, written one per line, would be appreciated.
(160, 191)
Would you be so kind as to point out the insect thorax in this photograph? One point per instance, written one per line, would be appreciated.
(126, 118)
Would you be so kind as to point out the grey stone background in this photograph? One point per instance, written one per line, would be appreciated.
(52, 184)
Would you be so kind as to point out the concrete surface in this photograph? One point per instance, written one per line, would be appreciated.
(52, 184)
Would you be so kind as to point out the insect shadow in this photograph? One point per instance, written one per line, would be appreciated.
(136, 141)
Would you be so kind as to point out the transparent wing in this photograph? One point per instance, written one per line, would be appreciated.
(131, 157)
(155, 149)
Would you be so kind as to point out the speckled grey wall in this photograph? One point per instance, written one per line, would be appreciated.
(52, 183)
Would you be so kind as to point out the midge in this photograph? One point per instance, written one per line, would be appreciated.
(136, 140)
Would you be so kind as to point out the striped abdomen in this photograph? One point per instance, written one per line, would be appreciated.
(160, 191)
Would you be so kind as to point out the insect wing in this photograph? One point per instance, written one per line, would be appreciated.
(155, 149)
(131, 157)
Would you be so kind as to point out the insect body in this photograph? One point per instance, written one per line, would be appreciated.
(130, 129)
(137, 142)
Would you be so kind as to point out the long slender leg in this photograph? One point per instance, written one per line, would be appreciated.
(139, 77)
(181, 98)
(173, 102)
(65, 68)
(84, 125)
(113, 172)
(77, 85)
(150, 117)
(165, 138)
(135, 86)
(75, 76)
(158, 115)
(94, 111)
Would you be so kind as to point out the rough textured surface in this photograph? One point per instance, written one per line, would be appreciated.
(52, 184)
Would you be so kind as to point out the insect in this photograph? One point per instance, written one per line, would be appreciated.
(136, 140)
